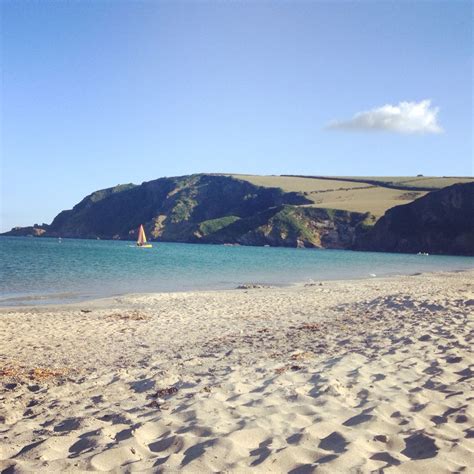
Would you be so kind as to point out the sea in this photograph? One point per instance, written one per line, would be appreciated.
(49, 271)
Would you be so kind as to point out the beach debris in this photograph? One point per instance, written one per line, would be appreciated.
(166, 392)
(159, 406)
(310, 327)
(8, 372)
(158, 397)
(37, 373)
(274, 355)
(86, 311)
(251, 286)
(129, 316)
(287, 367)
(43, 373)
(153, 404)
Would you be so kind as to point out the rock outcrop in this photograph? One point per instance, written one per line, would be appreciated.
(442, 222)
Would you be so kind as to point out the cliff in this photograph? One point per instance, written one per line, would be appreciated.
(442, 222)
(208, 209)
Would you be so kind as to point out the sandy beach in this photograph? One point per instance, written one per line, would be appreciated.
(343, 376)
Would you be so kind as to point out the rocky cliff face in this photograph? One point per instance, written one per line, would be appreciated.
(442, 222)
(30, 231)
(204, 208)
(290, 226)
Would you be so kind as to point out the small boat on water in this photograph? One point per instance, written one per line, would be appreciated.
(141, 241)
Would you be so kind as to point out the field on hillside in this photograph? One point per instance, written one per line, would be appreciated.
(434, 182)
(354, 195)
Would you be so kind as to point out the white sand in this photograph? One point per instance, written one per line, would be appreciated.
(345, 377)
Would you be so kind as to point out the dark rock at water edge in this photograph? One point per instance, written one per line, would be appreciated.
(442, 222)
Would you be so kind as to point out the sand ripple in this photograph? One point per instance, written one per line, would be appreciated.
(345, 377)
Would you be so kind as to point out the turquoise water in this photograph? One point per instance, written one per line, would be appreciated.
(34, 271)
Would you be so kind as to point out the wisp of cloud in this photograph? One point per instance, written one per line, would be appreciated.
(406, 117)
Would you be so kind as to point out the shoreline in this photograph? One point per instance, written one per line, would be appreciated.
(81, 301)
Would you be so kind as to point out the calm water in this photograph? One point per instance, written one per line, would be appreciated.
(36, 271)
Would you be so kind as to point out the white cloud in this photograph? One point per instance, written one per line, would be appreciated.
(406, 117)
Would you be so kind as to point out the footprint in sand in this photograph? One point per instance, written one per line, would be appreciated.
(335, 442)
(441, 419)
(115, 419)
(303, 469)
(97, 399)
(466, 374)
(82, 445)
(363, 396)
(461, 419)
(195, 451)
(387, 458)
(124, 434)
(420, 446)
(358, 419)
(69, 424)
(263, 451)
(469, 433)
(362, 417)
(433, 369)
(294, 438)
(377, 377)
(141, 386)
(171, 444)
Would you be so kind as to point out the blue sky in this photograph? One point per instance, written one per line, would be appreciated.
(97, 93)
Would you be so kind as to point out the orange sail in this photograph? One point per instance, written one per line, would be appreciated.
(141, 237)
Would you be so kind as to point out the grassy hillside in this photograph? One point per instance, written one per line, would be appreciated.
(357, 194)
(432, 182)
(209, 209)
(239, 209)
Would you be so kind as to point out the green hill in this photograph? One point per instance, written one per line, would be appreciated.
(292, 211)
(203, 208)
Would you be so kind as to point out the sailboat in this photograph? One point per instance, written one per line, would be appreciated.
(141, 241)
